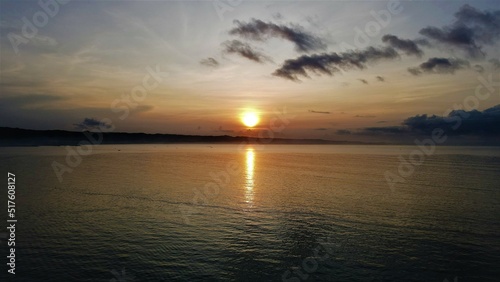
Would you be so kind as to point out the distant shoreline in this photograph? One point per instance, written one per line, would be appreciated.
(17, 137)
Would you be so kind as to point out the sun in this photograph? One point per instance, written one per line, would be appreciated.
(250, 119)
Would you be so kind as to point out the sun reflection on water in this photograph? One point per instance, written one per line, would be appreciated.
(249, 184)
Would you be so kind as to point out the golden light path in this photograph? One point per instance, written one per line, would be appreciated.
(250, 162)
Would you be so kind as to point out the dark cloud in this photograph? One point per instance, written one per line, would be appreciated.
(261, 31)
(364, 116)
(318, 112)
(91, 123)
(244, 50)
(457, 123)
(409, 47)
(495, 63)
(379, 78)
(209, 62)
(471, 122)
(363, 81)
(471, 30)
(439, 66)
(460, 36)
(332, 62)
(381, 121)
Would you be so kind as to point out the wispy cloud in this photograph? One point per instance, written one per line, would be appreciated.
(261, 31)
(333, 62)
(245, 50)
(209, 62)
(318, 112)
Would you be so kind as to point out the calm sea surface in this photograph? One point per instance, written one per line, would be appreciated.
(254, 213)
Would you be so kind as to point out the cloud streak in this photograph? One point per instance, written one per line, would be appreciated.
(245, 51)
(262, 31)
(439, 66)
(210, 62)
(328, 64)
(409, 47)
(318, 112)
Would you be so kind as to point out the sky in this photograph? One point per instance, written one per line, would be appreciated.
(335, 70)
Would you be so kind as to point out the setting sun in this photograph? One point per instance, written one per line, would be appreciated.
(250, 119)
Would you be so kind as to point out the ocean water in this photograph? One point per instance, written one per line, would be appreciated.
(254, 213)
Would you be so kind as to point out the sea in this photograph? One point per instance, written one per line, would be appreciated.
(242, 212)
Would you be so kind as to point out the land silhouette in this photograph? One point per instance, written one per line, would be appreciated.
(29, 137)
